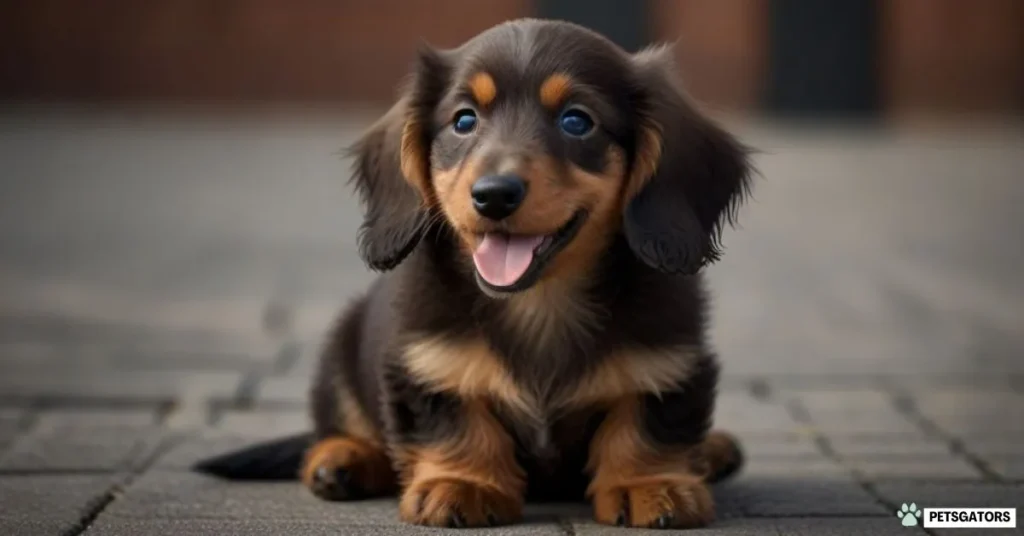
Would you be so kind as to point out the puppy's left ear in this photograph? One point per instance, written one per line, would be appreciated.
(688, 176)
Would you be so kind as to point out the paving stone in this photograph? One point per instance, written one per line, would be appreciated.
(49, 504)
(969, 402)
(1006, 444)
(81, 450)
(164, 495)
(743, 414)
(117, 385)
(1010, 468)
(887, 448)
(10, 424)
(794, 496)
(966, 425)
(183, 454)
(160, 494)
(88, 419)
(766, 447)
(867, 424)
(925, 468)
(113, 526)
(953, 494)
(816, 466)
(293, 389)
(824, 526)
(724, 527)
(814, 526)
(264, 423)
(842, 400)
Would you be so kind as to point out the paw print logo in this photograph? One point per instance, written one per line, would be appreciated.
(909, 515)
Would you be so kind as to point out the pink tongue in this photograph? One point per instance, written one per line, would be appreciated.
(502, 259)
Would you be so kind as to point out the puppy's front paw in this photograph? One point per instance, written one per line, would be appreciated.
(342, 469)
(449, 502)
(655, 502)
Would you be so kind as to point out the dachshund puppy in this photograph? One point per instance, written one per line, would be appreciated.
(540, 203)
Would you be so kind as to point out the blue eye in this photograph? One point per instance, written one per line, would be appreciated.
(465, 122)
(575, 122)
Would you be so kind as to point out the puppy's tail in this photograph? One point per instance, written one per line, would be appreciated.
(723, 453)
(277, 459)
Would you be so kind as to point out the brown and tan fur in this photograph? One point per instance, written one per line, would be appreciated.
(588, 377)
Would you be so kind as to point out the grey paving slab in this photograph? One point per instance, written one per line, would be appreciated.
(293, 389)
(822, 526)
(1010, 467)
(94, 419)
(72, 382)
(888, 448)
(994, 444)
(867, 424)
(184, 453)
(160, 494)
(106, 525)
(939, 468)
(10, 424)
(965, 494)
(725, 527)
(812, 467)
(81, 450)
(174, 495)
(786, 446)
(841, 399)
(742, 413)
(265, 422)
(792, 496)
(842, 527)
(49, 504)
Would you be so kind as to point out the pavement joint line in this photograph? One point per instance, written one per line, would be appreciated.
(118, 488)
(824, 444)
(188, 414)
(245, 395)
(955, 444)
(760, 389)
(287, 355)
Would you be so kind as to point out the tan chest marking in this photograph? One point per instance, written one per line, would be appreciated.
(470, 369)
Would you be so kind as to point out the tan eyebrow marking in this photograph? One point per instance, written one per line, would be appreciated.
(554, 90)
(481, 85)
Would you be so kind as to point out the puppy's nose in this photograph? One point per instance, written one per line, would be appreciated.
(498, 196)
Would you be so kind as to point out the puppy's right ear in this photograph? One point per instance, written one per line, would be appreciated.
(392, 172)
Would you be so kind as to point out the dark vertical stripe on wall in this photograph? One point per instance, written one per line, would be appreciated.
(823, 58)
(622, 21)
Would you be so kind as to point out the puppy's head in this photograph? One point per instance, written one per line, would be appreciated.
(538, 142)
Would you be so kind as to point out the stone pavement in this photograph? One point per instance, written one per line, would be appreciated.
(166, 280)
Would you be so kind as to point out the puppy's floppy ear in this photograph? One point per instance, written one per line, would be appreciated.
(392, 172)
(688, 176)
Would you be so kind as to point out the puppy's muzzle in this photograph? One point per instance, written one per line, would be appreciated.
(497, 197)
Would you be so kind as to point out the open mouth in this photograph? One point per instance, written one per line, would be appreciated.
(510, 263)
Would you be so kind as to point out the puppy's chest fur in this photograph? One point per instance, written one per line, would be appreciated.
(551, 360)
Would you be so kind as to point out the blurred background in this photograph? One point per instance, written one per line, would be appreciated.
(172, 196)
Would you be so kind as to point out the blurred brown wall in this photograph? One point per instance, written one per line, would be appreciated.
(227, 49)
(953, 55)
(721, 47)
(937, 55)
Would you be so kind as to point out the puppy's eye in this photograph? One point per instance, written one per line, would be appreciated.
(576, 122)
(465, 121)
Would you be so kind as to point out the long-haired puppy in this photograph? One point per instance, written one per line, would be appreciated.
(540, 202)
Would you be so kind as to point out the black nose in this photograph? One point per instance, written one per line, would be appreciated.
(498, 196)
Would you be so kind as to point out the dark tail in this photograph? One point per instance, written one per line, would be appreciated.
(278, 459)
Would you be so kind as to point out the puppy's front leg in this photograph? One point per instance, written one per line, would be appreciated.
(456, 462)
(650, 460)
